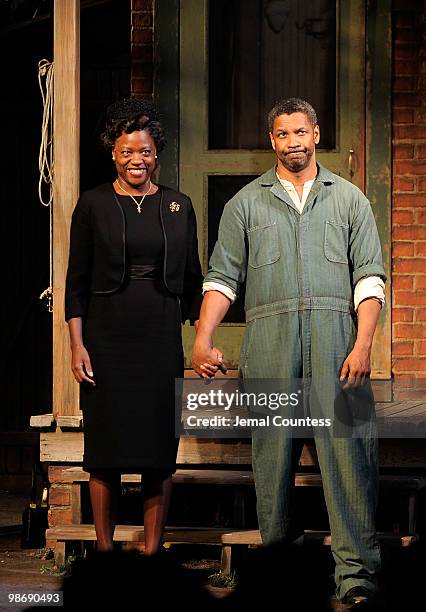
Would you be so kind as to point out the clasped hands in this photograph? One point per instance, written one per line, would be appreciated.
(206, 359)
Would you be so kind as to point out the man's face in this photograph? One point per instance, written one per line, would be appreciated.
(293, 139)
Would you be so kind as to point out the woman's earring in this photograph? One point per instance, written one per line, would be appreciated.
(156, 156)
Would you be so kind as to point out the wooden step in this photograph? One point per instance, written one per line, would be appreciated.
(244, 477)
(135, 533)
(252, 537)
(58, 537)
(181, 476)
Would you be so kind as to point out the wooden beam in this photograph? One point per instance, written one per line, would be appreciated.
(379, 160)
(67, 447)
(42, 420)
(66, 134)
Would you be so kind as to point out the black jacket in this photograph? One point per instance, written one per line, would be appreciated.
(97, 257)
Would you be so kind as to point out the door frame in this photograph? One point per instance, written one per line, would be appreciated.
(378, 128)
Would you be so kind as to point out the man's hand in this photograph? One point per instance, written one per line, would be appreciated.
(356, 367)
(206, 360)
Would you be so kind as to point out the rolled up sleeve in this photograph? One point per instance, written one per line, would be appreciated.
(228, 262)
(364, 244)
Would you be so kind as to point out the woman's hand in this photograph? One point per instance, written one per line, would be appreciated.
(80, 364)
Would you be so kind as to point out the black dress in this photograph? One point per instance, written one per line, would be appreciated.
(134, 341)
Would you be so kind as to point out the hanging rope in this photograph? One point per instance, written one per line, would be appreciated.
(45, 161)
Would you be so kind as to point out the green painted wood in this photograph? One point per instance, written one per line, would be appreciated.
(378, 158)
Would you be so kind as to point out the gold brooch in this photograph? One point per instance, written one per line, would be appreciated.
(174, 206)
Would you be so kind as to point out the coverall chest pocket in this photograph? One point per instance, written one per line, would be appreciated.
(263, 245)
(336, 241)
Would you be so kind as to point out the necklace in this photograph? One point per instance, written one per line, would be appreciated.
(138, 204)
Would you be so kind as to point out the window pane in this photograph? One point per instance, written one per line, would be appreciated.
(261, 51)
(220, 190)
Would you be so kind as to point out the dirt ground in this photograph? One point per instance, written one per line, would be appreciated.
(20, 570)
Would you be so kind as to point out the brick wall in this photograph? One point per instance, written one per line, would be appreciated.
(142, 38)
(409, 189)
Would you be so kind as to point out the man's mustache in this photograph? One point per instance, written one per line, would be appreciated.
(296, 151)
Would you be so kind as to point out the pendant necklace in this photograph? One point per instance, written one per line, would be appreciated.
(138, 204)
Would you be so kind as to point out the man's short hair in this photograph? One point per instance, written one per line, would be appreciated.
(290, 106)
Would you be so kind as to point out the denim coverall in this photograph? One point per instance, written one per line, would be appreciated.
(300, 271)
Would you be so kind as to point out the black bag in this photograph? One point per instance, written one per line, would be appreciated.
(34, 517)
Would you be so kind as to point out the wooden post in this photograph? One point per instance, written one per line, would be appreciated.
(66, 133)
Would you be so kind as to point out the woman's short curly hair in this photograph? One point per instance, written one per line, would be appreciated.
(130, 115)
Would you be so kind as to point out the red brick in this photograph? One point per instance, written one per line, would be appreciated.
(405, 68)
(402, 281)
(409, 330)
(405, 382)
(409, 265)
(142, 70)
(410, 167)
(420, 347)
(59, 496)
(403, 249)
(406, 52)
(420, 314)
(414, 200)
(420, 248)
(421, 217)
(406, 99)
(409, 132)
(421, 185)
(420, 152)
(56, 473)
(410, 298)
(404, 20)
(142, 5)
(420, 282)
(402, 314)
(402, 217)
(59, 516)
(142, 86)
(404, 83)
(402, 348)
(409, 232)
(407, 36)
(409, 394)
(409, 364)
(420, 115)
(142, 37)
(407, 5)
(141, 21)
(142, 53)
(403, 115)
(403, 184)
(403, 151)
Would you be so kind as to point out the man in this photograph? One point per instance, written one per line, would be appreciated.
(305, 243)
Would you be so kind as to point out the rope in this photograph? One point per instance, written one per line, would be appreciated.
(45, 161)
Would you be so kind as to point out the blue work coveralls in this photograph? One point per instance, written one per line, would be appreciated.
(300, 271)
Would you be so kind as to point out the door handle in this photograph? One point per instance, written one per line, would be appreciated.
(351, 163)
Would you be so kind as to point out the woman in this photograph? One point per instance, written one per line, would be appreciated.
(133, 276)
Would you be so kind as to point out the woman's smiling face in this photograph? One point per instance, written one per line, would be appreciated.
(134, 158)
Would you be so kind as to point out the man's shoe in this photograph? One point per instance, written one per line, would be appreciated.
(358, 598)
